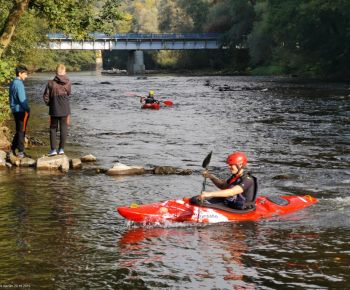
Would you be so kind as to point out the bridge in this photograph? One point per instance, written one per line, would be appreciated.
(135, 43)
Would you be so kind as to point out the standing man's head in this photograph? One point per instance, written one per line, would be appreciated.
(60, 70)
(21, 72)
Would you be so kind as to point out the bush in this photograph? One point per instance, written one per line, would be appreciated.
(267, 71)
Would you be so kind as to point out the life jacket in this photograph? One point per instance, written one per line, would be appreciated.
(239, 201)
(150, 100)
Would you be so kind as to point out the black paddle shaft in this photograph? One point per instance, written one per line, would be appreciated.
(206, 165)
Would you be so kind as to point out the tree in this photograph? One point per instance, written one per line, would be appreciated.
(198, 10)
(311, 35)
(77, 17)
(71, 16)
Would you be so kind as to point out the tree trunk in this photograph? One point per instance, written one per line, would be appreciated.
(11, 23)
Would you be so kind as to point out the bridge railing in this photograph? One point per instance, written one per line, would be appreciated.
(141, 35)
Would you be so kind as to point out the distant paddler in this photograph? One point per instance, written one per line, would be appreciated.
(149, 99)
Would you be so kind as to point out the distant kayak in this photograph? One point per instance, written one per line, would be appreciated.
(181, 210)
(153, 106)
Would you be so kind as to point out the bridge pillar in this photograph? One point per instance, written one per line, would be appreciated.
(135, 61)
(99, 60)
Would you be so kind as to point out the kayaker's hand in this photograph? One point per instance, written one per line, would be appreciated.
(203, 195)
(207, 174)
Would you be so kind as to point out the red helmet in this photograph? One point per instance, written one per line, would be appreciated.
(237, 158)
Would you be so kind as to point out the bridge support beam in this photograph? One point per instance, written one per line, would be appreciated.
(135, 61)
(99, 61)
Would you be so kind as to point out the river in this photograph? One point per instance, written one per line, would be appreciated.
(63, 231)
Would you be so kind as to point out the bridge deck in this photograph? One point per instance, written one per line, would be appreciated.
(137, 41)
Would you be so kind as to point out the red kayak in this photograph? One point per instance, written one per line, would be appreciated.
(153, 106)
(181, 210)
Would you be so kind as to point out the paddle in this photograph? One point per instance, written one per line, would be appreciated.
(205, 165)
(168, 103)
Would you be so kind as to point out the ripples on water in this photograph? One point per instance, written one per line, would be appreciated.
(62, 231)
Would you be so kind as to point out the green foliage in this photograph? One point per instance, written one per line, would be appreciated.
(198, 10)
(268, 70)
(77, 17)
(7, 72)
(311, 35)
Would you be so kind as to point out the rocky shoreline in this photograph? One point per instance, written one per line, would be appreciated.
(63, 163)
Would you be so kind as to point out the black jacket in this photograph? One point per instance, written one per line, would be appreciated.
(56, 96)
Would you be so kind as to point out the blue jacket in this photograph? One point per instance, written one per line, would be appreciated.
(17, 97)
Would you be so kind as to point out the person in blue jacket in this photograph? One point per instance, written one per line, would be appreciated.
(20, 110)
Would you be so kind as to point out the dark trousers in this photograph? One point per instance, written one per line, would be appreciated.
(21, 119)
(63, 121)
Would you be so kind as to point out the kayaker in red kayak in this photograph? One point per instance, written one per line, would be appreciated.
(240, 190)
(149, 99)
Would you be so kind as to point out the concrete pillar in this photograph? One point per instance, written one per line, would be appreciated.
(135, 61)
(99, 61)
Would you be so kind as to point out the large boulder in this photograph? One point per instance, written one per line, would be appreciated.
(60, 162)
(122, 169)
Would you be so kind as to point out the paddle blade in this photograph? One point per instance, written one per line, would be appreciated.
(207, 160)
(168, 103)
(131, 94)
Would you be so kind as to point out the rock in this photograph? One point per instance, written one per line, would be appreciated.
(105, 83)
(27, 162)
(36, 141)
(75, 163)
(186, 172)
(88, 158)
(13, 160)
(3, 154)
(165, 170)
(121, 169)
(2, 163)
(284, 176)
(4, 142)
(207, 83)
(60, 162)
(264, 90)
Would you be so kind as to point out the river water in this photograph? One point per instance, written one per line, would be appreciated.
(63, 231)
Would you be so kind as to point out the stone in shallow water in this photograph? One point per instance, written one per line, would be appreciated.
(122, 169)
(60, 162)
(88, 158)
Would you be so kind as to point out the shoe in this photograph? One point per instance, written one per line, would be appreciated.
(23, 155)
(52, 153)
(61, 151)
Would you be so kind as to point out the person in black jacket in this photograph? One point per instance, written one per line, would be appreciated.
(56, 97)
(150, 99)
